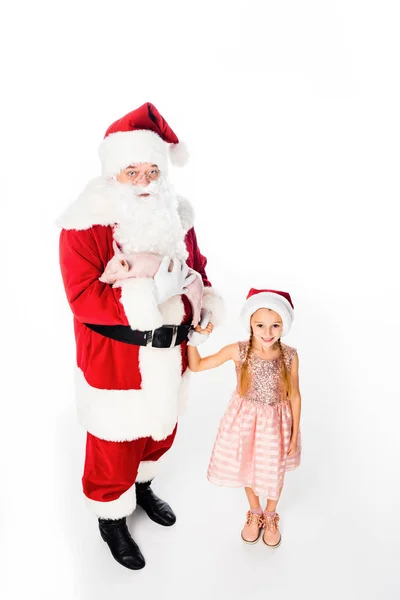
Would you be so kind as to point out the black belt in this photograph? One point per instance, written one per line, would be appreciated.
(166, 336)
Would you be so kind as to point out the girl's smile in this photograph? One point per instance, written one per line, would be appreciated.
(267, 340)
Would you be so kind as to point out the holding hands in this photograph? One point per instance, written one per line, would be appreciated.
(201, 332)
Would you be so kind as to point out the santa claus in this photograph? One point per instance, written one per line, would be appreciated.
(132, 324)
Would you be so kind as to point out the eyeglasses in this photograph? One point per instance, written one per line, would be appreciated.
(150, 175)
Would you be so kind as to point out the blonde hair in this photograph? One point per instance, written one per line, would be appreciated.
(244, 379)
(286, 380)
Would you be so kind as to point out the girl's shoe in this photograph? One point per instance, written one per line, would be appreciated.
(252, 530)
(272, 535)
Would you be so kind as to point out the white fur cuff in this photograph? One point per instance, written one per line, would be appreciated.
(148, 469)
(214, 302)
(116, 509)
(138, 297)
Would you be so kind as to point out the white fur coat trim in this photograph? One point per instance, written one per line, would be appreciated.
(184, 393)
(126, 415)
(115, 509)
(138, 297)
(94, 206)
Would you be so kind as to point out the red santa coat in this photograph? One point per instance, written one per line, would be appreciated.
(124, 392)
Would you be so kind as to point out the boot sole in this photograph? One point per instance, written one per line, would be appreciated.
(251, 542)
(159, 523)
(154, 519)
(275, 546)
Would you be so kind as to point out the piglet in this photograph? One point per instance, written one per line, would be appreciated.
(116, 268)
(146, 264)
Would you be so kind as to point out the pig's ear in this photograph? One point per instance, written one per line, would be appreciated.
(115, 248)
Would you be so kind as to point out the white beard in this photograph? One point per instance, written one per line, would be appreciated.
(148, 224)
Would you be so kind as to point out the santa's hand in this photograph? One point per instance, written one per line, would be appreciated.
(205, 318)
(198, 335)
(172, 282)
(186, 278)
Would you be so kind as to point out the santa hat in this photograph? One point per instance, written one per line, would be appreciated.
(141, 136)
(280, 302)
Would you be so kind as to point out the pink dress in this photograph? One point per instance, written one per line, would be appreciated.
(254, 434)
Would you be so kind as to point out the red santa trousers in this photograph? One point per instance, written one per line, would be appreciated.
(111, 469)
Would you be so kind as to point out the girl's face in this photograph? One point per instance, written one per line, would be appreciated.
(267, 326)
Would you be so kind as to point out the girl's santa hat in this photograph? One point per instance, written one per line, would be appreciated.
(141, 136)
(280, 302)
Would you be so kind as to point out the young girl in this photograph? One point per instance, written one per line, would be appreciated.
(258, 439)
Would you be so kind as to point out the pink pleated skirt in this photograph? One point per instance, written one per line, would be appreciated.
(251, 447)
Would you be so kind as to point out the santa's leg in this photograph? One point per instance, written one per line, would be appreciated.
(109, 487)
(158, 510)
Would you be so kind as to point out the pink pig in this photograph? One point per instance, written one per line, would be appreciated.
(145, 264)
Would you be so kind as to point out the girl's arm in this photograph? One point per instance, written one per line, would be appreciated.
(196, 363)
(295, 401)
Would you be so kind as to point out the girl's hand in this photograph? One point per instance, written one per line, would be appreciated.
(292, 446)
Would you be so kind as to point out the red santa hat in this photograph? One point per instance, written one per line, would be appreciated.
(280, 302)
(141, 136)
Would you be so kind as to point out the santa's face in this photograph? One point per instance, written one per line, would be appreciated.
(146, 212)
(139, 174)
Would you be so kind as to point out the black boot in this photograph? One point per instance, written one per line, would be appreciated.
(119, 540)
(158, 510)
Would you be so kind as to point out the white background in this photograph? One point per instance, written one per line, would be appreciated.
(291, 113)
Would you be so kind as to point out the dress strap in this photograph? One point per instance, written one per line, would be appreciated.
(242, 350)
(289, 353)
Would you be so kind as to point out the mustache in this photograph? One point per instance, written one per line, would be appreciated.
(127, 197)
(153, 189)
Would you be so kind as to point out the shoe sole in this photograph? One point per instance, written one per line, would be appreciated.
(249, 541)
(274, 546)
(159, 523)
(155, 520)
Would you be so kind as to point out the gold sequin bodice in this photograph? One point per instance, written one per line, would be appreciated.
(266, 375)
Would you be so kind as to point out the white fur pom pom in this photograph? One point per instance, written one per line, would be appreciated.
(178, 154)
(213, 301)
